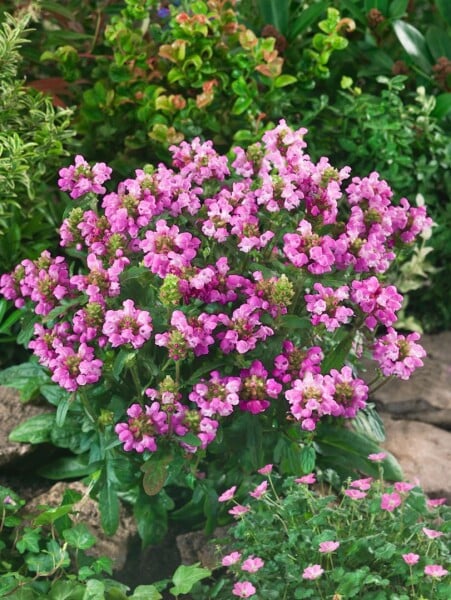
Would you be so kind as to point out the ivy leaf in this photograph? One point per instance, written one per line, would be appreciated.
(79, 537)
(186, 576)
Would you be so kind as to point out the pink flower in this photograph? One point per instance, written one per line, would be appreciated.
(390, 501)
(411, 558)
(435, 571)
(355, 494)
(227, 495)
(328, 546)
(239, 510)
(243, 589)
(312, 572)
(380, 456)
(434, 502)
(252, 564)
(362, 484)
(266, 470)
(231, 559)
(403, 486)
(431, 533)
(307, 479)
(259, 490)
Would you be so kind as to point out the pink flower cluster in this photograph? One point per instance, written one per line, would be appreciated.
(222, 263)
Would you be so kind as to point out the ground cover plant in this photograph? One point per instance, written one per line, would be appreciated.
(219, 302)
(294, 540)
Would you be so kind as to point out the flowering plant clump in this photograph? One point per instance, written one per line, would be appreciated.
(297, 542)
(217, 288)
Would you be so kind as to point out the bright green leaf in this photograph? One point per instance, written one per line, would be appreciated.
(186, 576)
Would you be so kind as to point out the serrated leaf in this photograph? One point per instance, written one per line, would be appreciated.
(186, 576)
(79, 537)
(35, 430)
(413, 43)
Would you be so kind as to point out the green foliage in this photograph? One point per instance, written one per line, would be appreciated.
(45, 556)
(286, 524)
(33, 136)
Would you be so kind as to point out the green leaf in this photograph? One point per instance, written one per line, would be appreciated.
(52, 514)
(34, 431)
(295, 322)
(241, 104)
(275, 12)
(155, 474)
(284, 80)
(343, 448)
(29, 541)
(66, 590)
(186, 576)
(109, 505)
(306, 19)
(397, 8)
(442, 106)
(27, 378)
(444, 8)
(439, 42)
(146, 592)
(413, 43)
(308, 459)
(69, 467)
(369, 423)
(79, 537)
(336, 358)
(62, 409)
(191, 439)
(95, 590)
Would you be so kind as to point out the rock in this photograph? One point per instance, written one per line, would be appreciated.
(115, 546)
(426, 396)
(12, 413)
(197, 547)
(424, 453)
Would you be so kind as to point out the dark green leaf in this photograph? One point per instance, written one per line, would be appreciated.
(442, 105)
(34, 431)
(241, 104)
(108, 505)
(307, 17)
(369, 423)
(335, 359)
(439, 42)
(52, 514)
(444, 7)
(275, 12)
(413, 43)
(397, 8)
(69, 468)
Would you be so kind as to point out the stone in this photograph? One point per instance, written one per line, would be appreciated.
(424, 453)
(115, 546)
(426, 396)
(197, 547)
(12, 413)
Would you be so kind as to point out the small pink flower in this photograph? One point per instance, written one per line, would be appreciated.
(227, 495)
(390, 501)
(378, 457)
(328, 546)
(362, 484)
(243, 589)
(239, 510)
(432, 533)
(435, 571)
(259, 490)
(307, 479)
(355, 494)
(434, 502)
(313, 572)
(231, 559)
(411, 558)
(266, 470)
(252, 564)
(403, 486)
